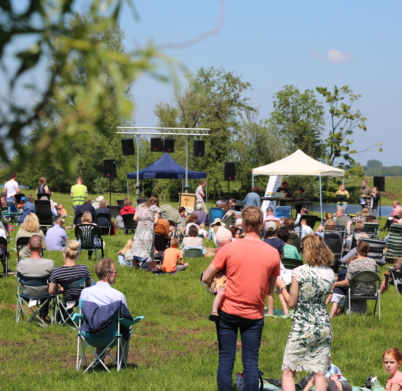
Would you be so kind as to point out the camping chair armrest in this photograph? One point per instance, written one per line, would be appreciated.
(77, 317)
(128, 322)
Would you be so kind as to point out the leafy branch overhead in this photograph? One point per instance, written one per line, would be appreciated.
(88, 74)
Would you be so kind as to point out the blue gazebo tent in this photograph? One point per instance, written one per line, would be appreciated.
(166, 168)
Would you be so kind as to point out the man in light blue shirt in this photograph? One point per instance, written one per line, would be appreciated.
(102, 293)
(56, 237)
(253, 198)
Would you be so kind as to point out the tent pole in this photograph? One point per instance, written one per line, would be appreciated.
(252, 181)
(186, 163)
(128, 190)
(320, 197)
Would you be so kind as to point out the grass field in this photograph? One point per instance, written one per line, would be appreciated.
(175, 347)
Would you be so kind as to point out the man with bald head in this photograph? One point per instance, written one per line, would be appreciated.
(36, 267)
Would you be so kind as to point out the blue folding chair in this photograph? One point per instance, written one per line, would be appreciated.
(105, 340)
(28, 308)
(282, 211)
(216, 213)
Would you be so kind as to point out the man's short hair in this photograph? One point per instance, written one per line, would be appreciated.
(35, 243)
(79, 178)
(256, 189)
(182, 209)
(203, 182)
(252, 218)
(103, 203)
(174, 243)
(59, 222)
(371, 219)
(104, 267)
(13, 175)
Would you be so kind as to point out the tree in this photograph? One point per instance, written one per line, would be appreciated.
(94, 140)
(107, 70)
(299, 119)
(214, 100)
(342, 124)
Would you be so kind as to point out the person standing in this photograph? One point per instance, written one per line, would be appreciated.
(375, 197)
(247, 285)
(365, 193)
(42, 187)
(11, 187)
(79, 193)
(310, 338)
(199, 197)
(342, 196)
(253, 198)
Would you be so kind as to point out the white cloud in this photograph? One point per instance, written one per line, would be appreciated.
(336, 56)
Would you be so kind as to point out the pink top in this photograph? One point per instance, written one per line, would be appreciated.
(395, 211)
(396, 379)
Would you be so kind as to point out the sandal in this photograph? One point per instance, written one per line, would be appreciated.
(214, 316)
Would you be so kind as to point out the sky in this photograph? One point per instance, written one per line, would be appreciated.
(271, 44)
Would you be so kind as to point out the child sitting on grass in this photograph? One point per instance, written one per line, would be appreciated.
(223, 236)
(333, 377)
(171, 258)
(202, 231)
(62, 211)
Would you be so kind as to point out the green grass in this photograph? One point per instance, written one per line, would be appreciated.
(175, 347)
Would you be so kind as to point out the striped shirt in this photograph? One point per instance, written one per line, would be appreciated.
(64, 273)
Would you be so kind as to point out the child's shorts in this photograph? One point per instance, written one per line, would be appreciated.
(219, 282)
(337, 298)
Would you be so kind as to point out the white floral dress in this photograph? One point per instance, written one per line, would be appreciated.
(310, 338)
(144, 234)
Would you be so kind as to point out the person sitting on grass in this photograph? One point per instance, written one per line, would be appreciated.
(392, 361)
(126, 251)
(333, 377)
(62, 211)
(172, 257)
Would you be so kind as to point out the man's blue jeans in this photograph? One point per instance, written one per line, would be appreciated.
(250, 330)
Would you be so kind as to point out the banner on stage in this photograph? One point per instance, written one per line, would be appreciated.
(273, 184)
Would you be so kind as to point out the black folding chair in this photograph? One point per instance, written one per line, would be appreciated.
(334, 240)
(129, 223)
(44, 213)
(103, 216)
(86, 234)
(291, 264)
(77, 218)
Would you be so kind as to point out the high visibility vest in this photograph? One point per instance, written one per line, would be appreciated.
(79, 194)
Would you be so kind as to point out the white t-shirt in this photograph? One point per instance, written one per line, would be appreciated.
(198, 194)
(10, 187)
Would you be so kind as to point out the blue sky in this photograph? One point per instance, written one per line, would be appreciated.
(276, 43)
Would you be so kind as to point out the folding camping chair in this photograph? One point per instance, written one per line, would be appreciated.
(291, 264)
(65, 310)
(366, 276)
(376, 251)
(106, 340)
(4, 256)
(394, 248)
(86, 234)
(193, 253)
(282, 211)
(395, 278)
(28, 308)
(371, 229)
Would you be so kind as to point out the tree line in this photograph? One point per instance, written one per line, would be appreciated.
(318, 121)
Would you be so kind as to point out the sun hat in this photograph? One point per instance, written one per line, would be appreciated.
(218, 221)
(219, 202)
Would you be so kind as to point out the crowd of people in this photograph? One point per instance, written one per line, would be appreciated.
(242, 289)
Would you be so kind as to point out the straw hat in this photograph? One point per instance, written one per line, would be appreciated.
(218, 221)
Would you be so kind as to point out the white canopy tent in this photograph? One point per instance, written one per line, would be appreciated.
(298, 163)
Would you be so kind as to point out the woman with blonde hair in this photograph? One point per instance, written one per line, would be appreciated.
(70, 271)
(42, 187)
(310, 338)
(147, 215)
(28, 228)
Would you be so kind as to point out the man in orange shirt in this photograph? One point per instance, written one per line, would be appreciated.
(171, 258)
(251, 267)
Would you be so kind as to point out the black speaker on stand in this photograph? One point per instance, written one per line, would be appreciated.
(379, 183)
(199, 148)
(127, 146)
(109, 171)
(229, 174)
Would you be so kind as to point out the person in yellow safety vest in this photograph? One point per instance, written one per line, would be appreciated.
(79, 193)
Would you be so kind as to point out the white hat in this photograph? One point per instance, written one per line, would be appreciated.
(218, 221)
(100, 198)
(270, 224)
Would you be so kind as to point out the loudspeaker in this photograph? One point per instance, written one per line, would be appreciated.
(109, 168)
(230, 171)
(168, 145)
(128, 146)
(156, 145)
(141, 201)
(379, 183)
(199, 147)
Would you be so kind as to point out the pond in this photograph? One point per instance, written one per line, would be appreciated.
(351, 209)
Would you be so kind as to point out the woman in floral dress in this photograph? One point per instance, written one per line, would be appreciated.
(310, 338)
(147, 215)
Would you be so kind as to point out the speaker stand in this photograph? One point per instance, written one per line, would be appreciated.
(110, 191)
(379, 209)
(228, 189)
